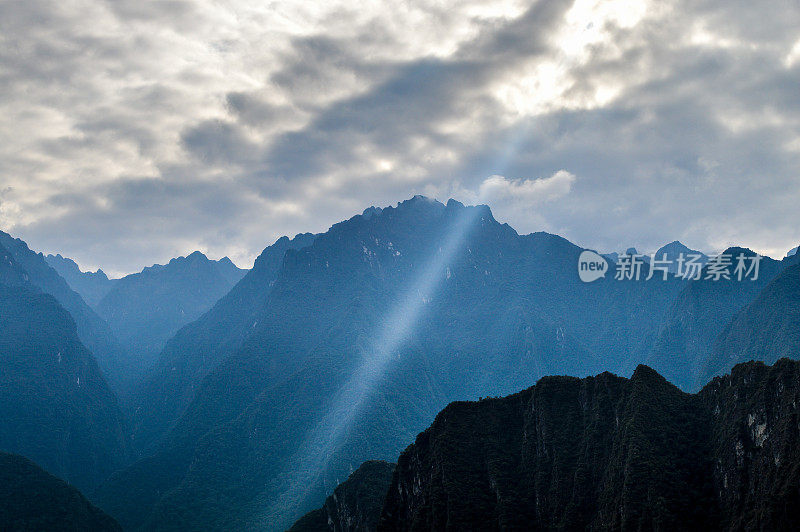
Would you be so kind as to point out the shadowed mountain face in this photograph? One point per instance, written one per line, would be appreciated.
(355, 504)
(145, 309)
(93, 332)
(31, 499)
(198, 347)
(91, 286)
(609, 453)
(55, 405)
(682, 351)
(363, 336)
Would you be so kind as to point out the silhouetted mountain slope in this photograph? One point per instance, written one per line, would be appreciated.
(606, 453)
(756, 445)
(91, 286)
(699, 314)
(93, 332)
(199, 346)
(55, 405)
(767, 329)
(146, 309)
(355, 504)
(362, 338)
(33, 500)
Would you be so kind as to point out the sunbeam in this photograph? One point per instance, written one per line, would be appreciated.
(313, 456)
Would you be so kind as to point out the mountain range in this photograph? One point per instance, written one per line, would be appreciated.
(146, 309)
(250, 395)
(361, 337)
(92, 330)
(92, 286)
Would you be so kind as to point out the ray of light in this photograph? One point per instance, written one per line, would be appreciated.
(312, 458)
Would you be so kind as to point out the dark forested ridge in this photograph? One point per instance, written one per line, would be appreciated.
(33, 500)
(146, 309)
(606, 453)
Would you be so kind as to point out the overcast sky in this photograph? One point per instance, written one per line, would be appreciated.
(133, 131)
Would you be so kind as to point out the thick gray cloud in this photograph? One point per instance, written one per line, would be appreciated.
(131, 132)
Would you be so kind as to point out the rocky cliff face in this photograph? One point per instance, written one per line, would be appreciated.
(755, 437)
(609, 453)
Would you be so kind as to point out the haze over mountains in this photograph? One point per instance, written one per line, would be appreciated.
(252, 395)
(146, 309)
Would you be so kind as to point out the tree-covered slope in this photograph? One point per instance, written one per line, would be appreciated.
(699, 314)
(767, 329)
(198, 347)
(606, 453)
(146, 309)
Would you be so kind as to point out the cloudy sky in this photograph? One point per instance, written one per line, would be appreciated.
(133, 131)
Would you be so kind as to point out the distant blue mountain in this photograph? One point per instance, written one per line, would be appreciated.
(55, 405)
(92, 330)
(92, 286)
(145, 309)
(674, 251)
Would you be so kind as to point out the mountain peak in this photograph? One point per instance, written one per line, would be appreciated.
(676, 246)
(370, 212)
(196, 255)
(420, 201)
(736, 250)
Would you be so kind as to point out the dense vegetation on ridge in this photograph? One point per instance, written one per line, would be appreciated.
(355, 504)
